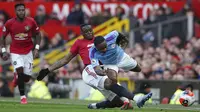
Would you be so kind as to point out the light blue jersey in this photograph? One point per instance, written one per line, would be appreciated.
(113, 54)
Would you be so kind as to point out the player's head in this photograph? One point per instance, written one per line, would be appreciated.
(87, 31)
(145, 87)
(100, 44)
(189, 87)
(186, 86)
(20, 10)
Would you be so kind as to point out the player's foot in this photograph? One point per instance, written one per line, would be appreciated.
(14, 81)
(126, 105)
(41, 76)
(92, 106)
(130, 106)
(141, 101)
(24, 100)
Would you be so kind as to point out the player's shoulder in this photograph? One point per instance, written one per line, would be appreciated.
(92, 51)
(10, 21)
(78, 41)
(30, 19)
(112, 35)
(114, 32)
(81, 41)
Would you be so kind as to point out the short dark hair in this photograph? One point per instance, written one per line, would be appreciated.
(98, 40)
(82, 25)
(19, 4)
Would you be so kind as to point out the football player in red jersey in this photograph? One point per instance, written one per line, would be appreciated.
(81, 47)
(21, 29)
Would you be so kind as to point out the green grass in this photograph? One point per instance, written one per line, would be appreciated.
(66, 105)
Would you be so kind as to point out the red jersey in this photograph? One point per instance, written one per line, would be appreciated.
(81, 47)
(21, 33)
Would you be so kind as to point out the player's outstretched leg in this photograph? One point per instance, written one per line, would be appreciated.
(116, 102)
(127, 104)
(123, 92)
(117, 89)
(42, 74)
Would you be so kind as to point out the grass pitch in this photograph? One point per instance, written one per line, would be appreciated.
(66, 105)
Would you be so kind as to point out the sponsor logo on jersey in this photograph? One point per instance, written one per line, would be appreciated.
(21, 36)
(91, 73)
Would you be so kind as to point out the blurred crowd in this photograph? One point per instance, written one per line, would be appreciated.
(77, 17)
(170, 61)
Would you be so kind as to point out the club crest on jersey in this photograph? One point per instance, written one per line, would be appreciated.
(113, 45)
(93, 61)
(14, 63)
(27, 28)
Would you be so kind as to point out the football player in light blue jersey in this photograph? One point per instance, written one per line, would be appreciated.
(108, 51)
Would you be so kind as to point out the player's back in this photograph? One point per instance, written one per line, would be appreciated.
(81, 47)
(21, 33)
(113, 54)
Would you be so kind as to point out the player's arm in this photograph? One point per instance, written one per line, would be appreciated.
(97, 68)
(62, 62)
(99, 71)
(118, 38)
(57, 65)
(122, 40)
(3, 42)
(95, 62)
(73, 52)
(37, 46)
(37, 35)
(38, 39)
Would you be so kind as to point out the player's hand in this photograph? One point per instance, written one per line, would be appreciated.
(5, 56)
(42, 74)
(35, 53)
(99, 71)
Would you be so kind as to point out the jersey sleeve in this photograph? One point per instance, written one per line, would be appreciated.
(75, 48)
(93, 59)
(111, 37)
(35, 28)
(5, 30)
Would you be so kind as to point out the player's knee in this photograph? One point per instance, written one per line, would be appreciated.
(20, 70)
(136, 69)
(27, 78)
(117, 101)
(107, 84)
(112, 75)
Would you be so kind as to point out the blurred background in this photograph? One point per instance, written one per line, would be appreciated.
(164, 37)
